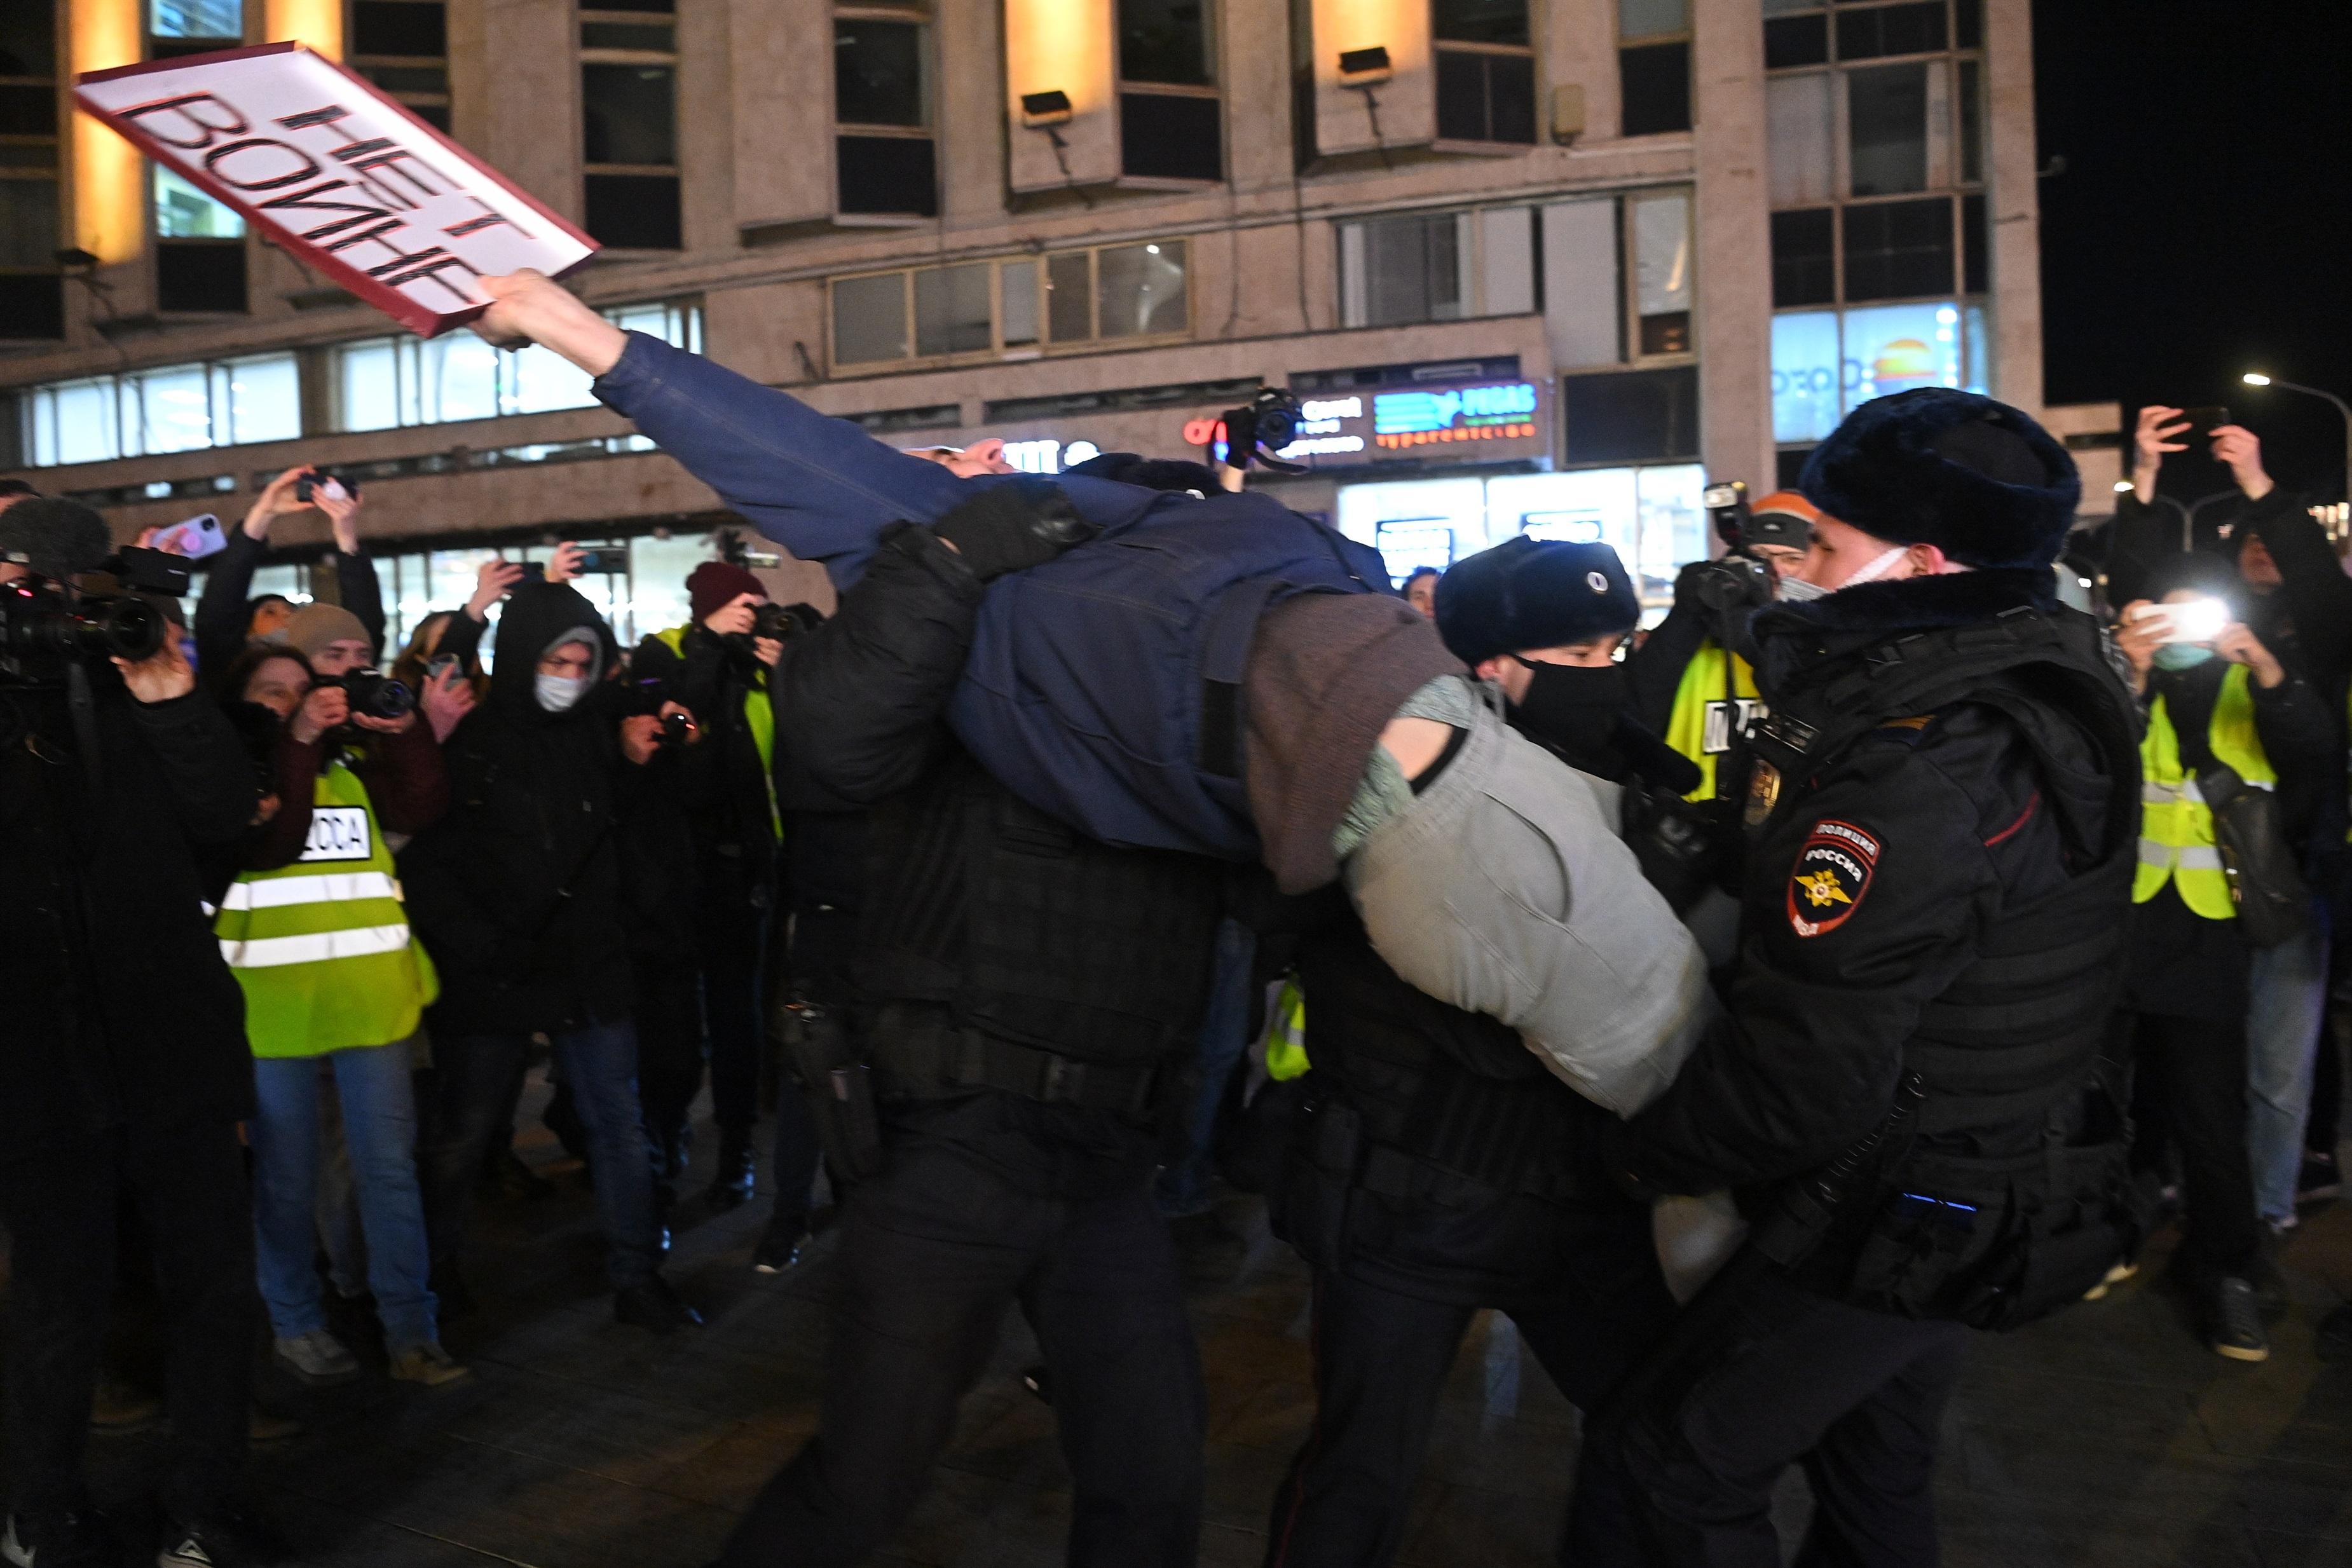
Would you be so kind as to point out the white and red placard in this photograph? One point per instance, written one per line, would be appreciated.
(341, 177)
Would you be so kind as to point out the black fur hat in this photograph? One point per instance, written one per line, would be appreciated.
(1974, 477)
(1533, 593)
(58, 538)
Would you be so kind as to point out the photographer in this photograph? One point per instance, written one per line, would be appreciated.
(227, 620)
(1691, 681)
(113, 1089)
(517, 893)
(2216, 698)
(318, 936)
(717, 668)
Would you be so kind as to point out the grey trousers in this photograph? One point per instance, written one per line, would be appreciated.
(1505, 890)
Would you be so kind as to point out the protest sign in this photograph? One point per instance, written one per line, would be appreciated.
(341, 177)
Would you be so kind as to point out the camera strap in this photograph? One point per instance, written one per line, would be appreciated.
(81, 707)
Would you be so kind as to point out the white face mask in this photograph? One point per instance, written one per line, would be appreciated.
(557, 694)
(1796, 589)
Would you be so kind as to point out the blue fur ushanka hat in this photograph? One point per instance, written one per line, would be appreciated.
(1533, 593)
(1977, 478)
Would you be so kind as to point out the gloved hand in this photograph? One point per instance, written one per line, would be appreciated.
(1013, 524)
(1670, 838)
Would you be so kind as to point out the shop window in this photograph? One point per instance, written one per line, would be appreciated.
(1170, 114)
(1654, 66)
(628, 96)
(163, 409)
(885, 160)
(1804, 257)
(32, 286)
(1441, 267)
(1895, 250)
(973, 309)
(1630, 415)
(403, 47)
(1826, 363)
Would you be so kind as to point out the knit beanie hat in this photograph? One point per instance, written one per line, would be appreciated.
(715, 584)
(1533, 593)
(315, 625)
(1327, 671)
(1976, 479)
(1782, 517)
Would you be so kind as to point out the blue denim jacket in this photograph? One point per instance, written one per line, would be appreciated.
(1084, 689)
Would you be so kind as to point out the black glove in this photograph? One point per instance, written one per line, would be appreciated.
(1673, 840)
(1012, 525)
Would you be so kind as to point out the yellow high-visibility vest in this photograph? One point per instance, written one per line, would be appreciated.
(759, 713)
(1285, 1034)
(1703, 723)
(322, 946)
(2176, 831)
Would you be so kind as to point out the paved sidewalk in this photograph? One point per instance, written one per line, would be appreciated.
(2106, 1437)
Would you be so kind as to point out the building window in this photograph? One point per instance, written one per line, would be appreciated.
(1654, 66)
(193, 26)
(1630, 415)
(1620, 277)
(403, 47)
(387, 383)
(168, 408)
(1437, 267)
(32, 285)
(1011, 306)
(1877, 132)
(629, 99)
(1485, 71)
(199, 258)
(1170, 115)
(884, 160)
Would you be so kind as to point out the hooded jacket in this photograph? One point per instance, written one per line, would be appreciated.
(517, 892)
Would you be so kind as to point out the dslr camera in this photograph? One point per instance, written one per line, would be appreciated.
(46, 626)
(1261, 428)
(375, 694)
(778, 622)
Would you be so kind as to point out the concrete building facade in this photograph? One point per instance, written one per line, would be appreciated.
(1533, 265)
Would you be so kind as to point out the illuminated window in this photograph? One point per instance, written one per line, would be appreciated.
(628, 100)
(383, 383)
(32, 286)
(403, 47)
(166, 408)
(182, 212)
(885, 160)
(1486, 70)
(210, 22)
(1171, 116)
(1012, 306)
(1827, 363)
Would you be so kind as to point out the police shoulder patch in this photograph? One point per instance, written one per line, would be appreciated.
(1830, 877)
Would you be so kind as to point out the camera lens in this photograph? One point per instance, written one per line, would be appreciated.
(378, 696)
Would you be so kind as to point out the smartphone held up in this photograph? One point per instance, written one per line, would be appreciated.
(2197, 620)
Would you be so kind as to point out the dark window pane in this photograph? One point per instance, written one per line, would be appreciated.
(1164, 137)
(1632, 416)
(1804, 257)
(29, 44)
(29, 112)
(1789, 466)
(1165, 41)
(391, 28)
(33, 307)
(630, 114)
(165, 48)
(1895, 250)
(1796, 41)
(1971, 121)
(1412, 270)
(1485, 97)
(407, 79)
(435, 115)
(1886, 110)
(200, 275)
(1069, 298)
(887, 175)
(28, 156)
(878, 73)
(1967, 24)
(1480, 21)
(952, 310)
(28, 225)
(1666, 334)
(634, 212)
(1654, 80)
(658, 37)
(1915, 29)
(1976, 272)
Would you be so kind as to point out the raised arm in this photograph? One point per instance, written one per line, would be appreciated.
(821, 488)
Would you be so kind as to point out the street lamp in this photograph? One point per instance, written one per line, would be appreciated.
(2254, 379)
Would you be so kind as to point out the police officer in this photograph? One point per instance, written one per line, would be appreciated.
(1019, 990)
(1438, 1168)
(1908, 1093)
(1690, 681)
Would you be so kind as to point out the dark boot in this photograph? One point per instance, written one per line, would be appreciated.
(731, 1187)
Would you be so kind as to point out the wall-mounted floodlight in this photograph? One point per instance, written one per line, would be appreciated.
(1364, 67)
(1049, 108)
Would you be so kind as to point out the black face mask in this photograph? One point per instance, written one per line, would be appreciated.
(1573, 709)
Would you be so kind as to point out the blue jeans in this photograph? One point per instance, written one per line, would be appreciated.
(599, 1064)
(2287, 1004)
(379, 1115)
(1184, 1184)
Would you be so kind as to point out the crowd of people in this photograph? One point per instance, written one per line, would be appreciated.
(1749, 1006)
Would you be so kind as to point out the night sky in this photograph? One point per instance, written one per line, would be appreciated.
(2202, 226)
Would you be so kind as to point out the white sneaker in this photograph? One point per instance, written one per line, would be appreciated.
(318, 1357)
